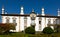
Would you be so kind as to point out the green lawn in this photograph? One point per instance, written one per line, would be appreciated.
(30, 35)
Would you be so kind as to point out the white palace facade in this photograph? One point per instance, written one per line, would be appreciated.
(23, 21)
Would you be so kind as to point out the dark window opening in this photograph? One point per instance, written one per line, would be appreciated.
(39, 22)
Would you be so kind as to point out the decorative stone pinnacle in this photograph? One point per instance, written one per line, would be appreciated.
(32, 10)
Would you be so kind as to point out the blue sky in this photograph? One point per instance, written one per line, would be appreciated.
(13, 6)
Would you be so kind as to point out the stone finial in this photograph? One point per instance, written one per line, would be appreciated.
(43, 11)
(32, 10)
(22, 10)
(58, 12)
(2, 9)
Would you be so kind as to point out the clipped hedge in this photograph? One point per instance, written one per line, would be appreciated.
(48, 30)
(30, 30)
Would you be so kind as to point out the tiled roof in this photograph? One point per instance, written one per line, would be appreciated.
(49, 16)
(14, 15)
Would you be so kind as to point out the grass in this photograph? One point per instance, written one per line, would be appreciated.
(30, 35)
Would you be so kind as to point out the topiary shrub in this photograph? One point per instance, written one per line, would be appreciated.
(48, 30)
(30, 30)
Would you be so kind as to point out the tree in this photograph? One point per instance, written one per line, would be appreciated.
(6, 27)
(48, 30)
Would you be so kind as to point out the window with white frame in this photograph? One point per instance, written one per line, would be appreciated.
(58, 21)
(49, 21)
(54, 22)
(7, 19)
(25, 22)
(14, 20)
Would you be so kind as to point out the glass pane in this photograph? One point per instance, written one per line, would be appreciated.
(7, 20)
(14, 21)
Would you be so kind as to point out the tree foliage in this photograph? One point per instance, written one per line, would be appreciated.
(6, 27)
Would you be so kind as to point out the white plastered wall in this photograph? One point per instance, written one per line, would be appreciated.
(28, 21)
(47, 22)
(18, 25)
(21, 23)
(4, 19)
(37, 24)
(42, 23)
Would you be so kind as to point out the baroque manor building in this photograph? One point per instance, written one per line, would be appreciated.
(23, 21)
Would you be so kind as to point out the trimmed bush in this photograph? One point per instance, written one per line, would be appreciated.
(30, 30)
(48, 30)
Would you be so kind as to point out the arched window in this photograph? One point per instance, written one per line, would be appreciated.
(58, 21)
(54, 21)
(25, 22)
(7, 19)
(40, 20)
(14, 20)
(49, 21)
(39, 23)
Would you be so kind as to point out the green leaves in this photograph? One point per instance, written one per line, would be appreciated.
(30, 30)
(48, 30)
